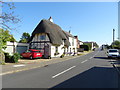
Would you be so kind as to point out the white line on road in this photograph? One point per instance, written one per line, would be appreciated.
(84, 61)
(20, 65)
(90, 57)
(63, 71)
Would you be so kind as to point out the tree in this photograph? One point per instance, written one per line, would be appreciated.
(8, 17)
(4, 37)
(25, 37)
(89, 45)
(116, 44)
(95, 44)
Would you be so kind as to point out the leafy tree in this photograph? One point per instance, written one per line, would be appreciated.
(12, 39)
(116, 44)
(95, 44)
(85, 47)
(4, 37)
(89, 45)
(25, 37)
(6, 18)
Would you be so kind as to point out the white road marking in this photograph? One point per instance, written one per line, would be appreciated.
(1, 74)
(84, 61)
(90, 57)
(20, 65)
(63, 71)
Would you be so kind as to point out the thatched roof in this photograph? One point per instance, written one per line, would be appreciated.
(54, 32)
(68, 34)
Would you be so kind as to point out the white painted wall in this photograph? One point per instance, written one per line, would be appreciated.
(52, 51)
(72, 40)
(13, 47)
(60, 51)
(73, 44)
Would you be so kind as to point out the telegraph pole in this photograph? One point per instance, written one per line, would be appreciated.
(113, 35)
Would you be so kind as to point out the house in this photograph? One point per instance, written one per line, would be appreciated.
(80, 42)
(72, 49)
(13, 47)
(52, 40)
(77, 41)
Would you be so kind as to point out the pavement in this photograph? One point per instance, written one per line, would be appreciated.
(26, 64)
(116, 64)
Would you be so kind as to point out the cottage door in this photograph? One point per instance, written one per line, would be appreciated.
(46, 52)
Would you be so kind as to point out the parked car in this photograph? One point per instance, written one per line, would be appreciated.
(32, 53)
(113, 53)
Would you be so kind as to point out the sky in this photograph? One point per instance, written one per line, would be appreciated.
(90, 21)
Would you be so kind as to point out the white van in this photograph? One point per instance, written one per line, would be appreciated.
(113, 53)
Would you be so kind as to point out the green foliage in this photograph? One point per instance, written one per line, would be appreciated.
(25, 38)
(15, 57)
(8, 58)
(12, 59)
(4, 37)
(62, 55)
(116, 44)
(85, 47)
(2, 58)
(95, 44)
(12, 39)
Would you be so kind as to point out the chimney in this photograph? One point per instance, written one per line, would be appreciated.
(69, 31)
(50, 19)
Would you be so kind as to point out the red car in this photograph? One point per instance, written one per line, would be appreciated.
(32, 53)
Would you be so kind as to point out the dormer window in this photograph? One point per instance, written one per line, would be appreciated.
(42, 37)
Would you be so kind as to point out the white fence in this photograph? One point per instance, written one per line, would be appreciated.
(13, 47)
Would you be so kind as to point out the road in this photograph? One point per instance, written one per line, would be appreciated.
(93, 70)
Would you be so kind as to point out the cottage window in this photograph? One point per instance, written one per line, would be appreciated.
(56, 49)
(42, 37)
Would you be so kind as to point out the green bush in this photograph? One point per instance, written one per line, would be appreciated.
(12, 59)
(85, 47)
(15, 57)
(8, 58)
(62, 55)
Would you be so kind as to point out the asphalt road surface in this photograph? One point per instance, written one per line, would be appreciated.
(93, 70)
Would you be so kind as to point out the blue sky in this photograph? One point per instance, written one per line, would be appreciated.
(91, 21)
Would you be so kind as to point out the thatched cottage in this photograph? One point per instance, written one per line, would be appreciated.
(52, 40)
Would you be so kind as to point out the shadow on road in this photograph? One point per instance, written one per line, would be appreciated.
(101, 57)
(96, 77)
(112, 60)
(115, 61)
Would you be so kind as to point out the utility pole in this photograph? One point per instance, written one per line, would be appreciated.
(113, 35)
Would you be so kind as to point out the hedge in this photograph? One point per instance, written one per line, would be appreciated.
(85, 47)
